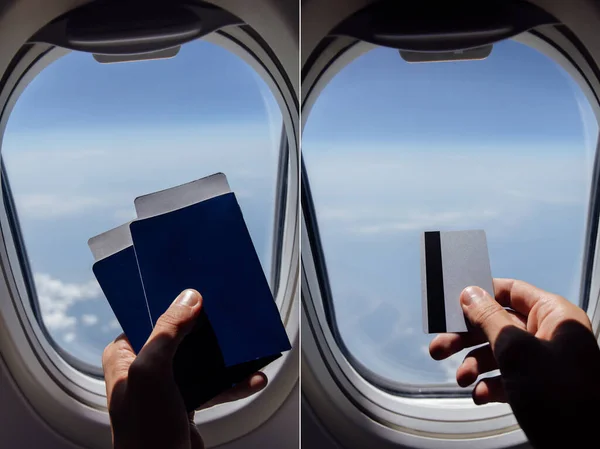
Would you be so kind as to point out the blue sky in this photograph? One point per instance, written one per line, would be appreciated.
(85, 139)
(393, 149)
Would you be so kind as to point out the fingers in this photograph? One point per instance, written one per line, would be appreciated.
(248, 387)
(485, 313)
(479, 361)
(173, 325)
(445, 345)
(119, 361)
(116, 359)
(517, 295)
(489, 390)
(155, 360)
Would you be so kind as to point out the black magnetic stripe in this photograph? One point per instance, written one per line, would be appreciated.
(436, 309)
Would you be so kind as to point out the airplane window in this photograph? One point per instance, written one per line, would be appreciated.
(391, 149)
(85, 139)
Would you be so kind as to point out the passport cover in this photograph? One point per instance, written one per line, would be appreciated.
(206, 246)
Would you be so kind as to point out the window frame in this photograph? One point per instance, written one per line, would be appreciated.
(74, 402)
(349, 394)
(28, 289)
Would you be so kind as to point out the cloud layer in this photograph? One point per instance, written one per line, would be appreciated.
(392, 190)
(57, 298)
(54, 176)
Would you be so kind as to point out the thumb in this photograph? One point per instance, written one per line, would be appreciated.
(172, 326)
(484, 312)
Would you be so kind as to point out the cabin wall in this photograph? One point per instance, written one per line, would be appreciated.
(20, 427)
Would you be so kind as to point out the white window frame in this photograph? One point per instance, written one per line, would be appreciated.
(72, 402)
(355, 411)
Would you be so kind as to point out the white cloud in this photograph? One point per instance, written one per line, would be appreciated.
(69, 337)
(56, 298)
(111, 326)
(89, 320)
(48, 206)
(57, 320)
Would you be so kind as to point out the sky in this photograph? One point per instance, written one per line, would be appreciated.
(85, 139)
(393, 149)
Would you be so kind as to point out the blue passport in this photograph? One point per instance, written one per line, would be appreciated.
(194, 236)
(117, 273)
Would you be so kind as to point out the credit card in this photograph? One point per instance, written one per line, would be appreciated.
(450, 262)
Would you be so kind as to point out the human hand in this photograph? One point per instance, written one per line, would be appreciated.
(548, 358)
(145, 407)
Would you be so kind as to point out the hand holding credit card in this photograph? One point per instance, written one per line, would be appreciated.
(193, 236)
(450, 262)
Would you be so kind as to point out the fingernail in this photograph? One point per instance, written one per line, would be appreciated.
(471, 295)
(188, 298)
